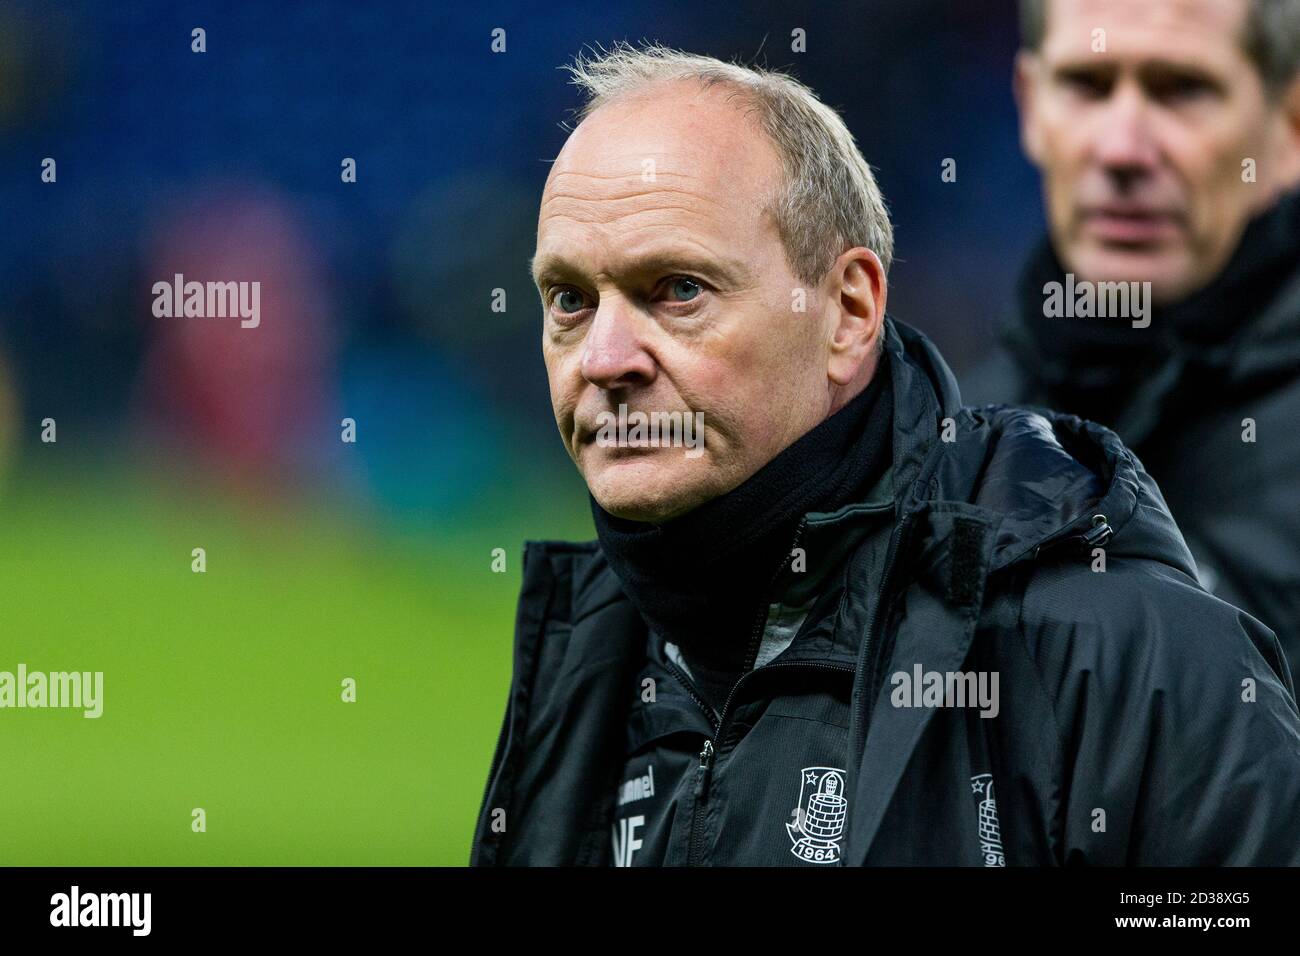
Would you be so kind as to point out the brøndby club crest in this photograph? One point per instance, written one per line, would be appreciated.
(817, 823)
(990, 831)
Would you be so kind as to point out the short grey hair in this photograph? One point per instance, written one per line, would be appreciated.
(1271, 38)
(829, 201)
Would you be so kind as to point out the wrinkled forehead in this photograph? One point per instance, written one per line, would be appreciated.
(1207, 30)
(677, 145)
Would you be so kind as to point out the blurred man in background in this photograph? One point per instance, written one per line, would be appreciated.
(1167, 133)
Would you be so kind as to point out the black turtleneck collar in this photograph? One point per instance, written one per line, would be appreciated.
(699, 580)
(1091, 366)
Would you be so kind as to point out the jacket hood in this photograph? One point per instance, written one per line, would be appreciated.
(1041, 478)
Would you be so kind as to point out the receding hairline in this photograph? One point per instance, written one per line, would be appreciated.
(728, 88)
(826, 200)
(738, 101)
(545, 264)
(739, 92)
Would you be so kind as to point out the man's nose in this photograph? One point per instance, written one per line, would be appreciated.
(1125, 145)
(614, 355)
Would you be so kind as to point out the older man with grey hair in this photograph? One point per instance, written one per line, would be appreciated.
(846, 620)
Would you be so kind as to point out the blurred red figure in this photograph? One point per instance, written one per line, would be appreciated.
(245, 402)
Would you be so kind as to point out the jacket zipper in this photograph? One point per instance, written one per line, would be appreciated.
(689, 687)
(1096, 535)
(704, 772)
(751, 651)
(705, 768)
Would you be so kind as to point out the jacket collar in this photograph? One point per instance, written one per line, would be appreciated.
(1242, 327)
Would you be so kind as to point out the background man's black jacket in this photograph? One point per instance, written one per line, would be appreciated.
(1141, 721)
(1179, 394)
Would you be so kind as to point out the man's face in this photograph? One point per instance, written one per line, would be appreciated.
(1141, 144)
(665, 288)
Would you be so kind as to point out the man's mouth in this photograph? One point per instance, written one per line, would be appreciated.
(588, 438)
(1130, 225)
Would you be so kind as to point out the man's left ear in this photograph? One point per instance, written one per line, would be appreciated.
(858, 290)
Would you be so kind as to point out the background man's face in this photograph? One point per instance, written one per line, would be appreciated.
(1141, 146)
(665, 287)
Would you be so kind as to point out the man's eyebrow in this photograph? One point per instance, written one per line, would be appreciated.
(1077, 66)
(1163, 69)
(543, 266)
(1146, 68)
(546, 266)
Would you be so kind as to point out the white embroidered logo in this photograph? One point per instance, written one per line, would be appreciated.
(990, 831)
(818, 821)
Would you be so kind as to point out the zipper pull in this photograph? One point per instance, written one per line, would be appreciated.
(1099, 533)
(1093, 537)
(702, 774)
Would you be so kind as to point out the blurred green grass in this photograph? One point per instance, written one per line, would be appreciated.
(222, 690)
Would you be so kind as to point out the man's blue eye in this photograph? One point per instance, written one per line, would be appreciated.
(684, 289)
(568, 300)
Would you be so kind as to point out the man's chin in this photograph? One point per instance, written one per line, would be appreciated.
(1169, 270)
(638, 491)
